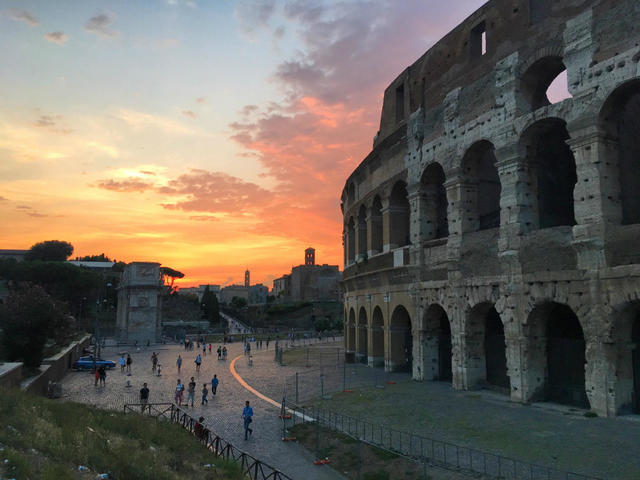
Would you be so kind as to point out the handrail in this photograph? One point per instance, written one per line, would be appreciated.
(251, 467)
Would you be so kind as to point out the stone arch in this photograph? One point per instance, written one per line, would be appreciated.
(620, 119)
(434, 222)
(437, 344)
(537, 78)
(485, 348)
(351, 241)
(400, 356)
(555, 355)
(362, 232)
(351, 333)
(626, 338)
(399, 215)
(376, 352)
(481, 192)
(376, 226)
(552, 173)
(362, 354)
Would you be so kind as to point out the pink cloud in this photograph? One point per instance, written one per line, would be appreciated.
(127, 185)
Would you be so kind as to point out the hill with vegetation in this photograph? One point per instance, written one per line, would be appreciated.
(48, 439)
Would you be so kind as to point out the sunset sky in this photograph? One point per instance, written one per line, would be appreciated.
(208, 135)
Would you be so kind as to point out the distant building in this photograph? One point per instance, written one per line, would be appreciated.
(15, 254)
(199, 290)
(227, 293)
(96, 266)
(247, 278)
(258, 294)
(309, 282)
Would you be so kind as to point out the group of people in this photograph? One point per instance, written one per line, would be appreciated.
(191, 391)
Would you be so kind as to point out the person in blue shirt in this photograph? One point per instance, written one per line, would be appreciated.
(247, 416)
(214, 384)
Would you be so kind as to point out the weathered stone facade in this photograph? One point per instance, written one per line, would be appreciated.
(493, 238)
(139, 303)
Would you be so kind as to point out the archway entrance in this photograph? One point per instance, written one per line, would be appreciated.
(351, 336)
(482, 188)
(376, 358)
(434, 223)
(399, 216)
(437, 344)
(401, 351)
(565, 358)
(495, 348)
(361, 354)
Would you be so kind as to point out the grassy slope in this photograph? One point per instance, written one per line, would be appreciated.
(48, 439)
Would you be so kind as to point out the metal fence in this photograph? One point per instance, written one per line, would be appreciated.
(251, 467)
(429, 451)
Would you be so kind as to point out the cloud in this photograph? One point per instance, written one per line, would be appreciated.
(187, 3)
(137, 119)
(51, 123)
(30, 211)
(127, 185)
(254, 14)
(201, 100)
(56, 37)
(248, 109)
(214, 192)
(99, 24)
(3, 199)
(23, 16)
(189, 113)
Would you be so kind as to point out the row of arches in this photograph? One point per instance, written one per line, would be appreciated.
(547, 194)
(479, 354)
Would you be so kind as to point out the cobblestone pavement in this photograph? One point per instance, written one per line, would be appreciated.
(223, 412)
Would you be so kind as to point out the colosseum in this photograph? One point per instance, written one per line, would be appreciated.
(492, 235)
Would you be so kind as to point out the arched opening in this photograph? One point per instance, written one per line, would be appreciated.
(401, 351)
(626, 338)
(351, 332)
(555, 355)
(482, 188)
(376, 226)
(351, 241)
(399, 215)
(434, 223)
(362, 232)
(635, 363)
(362, 354)
(437, 344)
(544, 83)
(351, 193)
(620, 118)
(552, 172)
(565, 358)
(486, 355)
(377, 339)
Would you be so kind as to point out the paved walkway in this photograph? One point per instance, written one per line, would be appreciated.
(222, 414)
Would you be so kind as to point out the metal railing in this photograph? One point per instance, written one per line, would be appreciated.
(251, 467)
(429, 451)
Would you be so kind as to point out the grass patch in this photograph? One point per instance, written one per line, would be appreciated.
(49, 439)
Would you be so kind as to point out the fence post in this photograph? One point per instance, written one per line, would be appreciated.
(297, 388)
(344, 375)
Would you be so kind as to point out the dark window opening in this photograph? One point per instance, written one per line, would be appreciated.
(539, 10)
(400, 103)
(479, 40)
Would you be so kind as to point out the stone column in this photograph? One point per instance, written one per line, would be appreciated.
(596, 195)
(454, 186)
(360, 231)
(457, 353)
(372, 223)
(386, 226)
(518, 205)
(418, 354)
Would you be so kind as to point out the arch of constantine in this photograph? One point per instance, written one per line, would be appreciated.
(492, 236)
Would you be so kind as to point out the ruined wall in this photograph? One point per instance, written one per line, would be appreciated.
(532, 219)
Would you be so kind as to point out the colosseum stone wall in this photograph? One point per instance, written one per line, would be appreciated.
(492, 237)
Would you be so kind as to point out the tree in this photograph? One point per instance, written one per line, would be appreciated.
(169, 276)
(210, 307)
(28, 318)
(94, 258)
(50, 250)
(238, 303)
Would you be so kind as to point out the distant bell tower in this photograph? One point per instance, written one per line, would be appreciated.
(247, 281)
(310, 256)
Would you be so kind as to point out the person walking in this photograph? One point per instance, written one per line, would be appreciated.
(214, 384)
(154, 361)
(179, 363)
(219, 352)
(204, 349)
(179, 393)
(103, 375)
(205, 392)
(247, 416)
(123, 363)
(224, 353)
(191, 391)
(96, 375)
(144, 397)
(129, 362)
(198, 361)
(209, 349)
